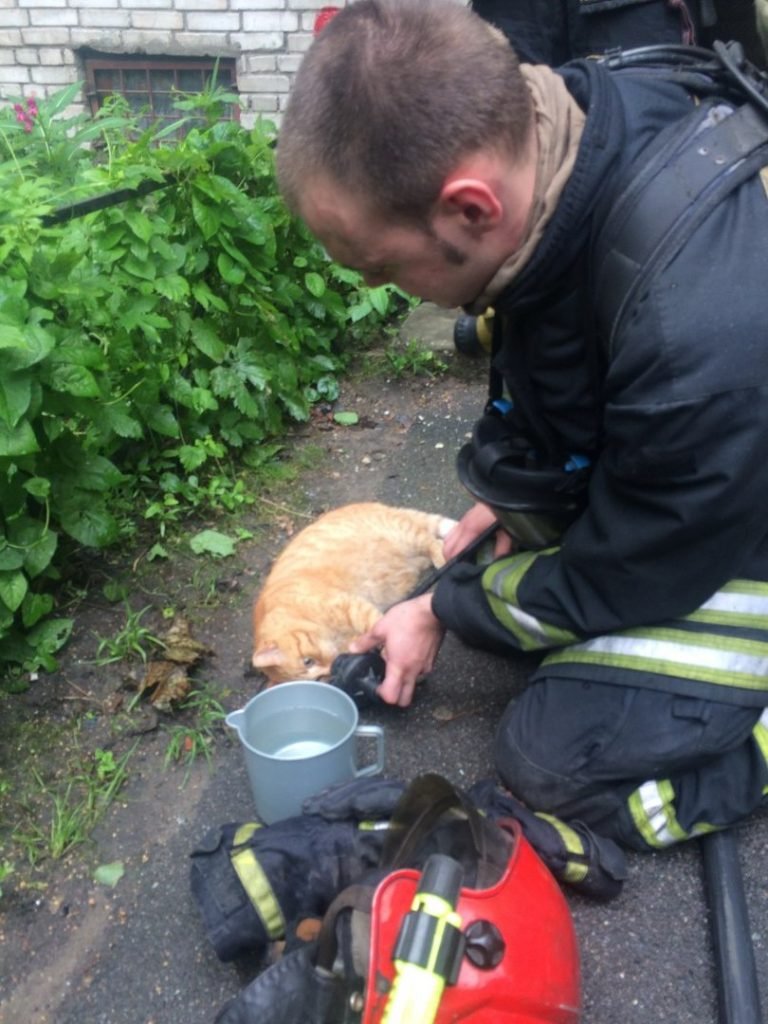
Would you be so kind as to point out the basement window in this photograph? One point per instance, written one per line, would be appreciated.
(152, 84)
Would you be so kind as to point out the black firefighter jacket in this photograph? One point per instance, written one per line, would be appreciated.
(663, 580)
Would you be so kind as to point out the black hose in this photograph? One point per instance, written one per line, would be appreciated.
(737, 989)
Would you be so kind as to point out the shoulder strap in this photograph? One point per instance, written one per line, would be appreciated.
(695, 166)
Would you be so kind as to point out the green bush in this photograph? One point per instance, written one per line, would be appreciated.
(147, 341)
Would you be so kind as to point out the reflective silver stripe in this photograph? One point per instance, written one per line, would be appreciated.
(529, 626)
(738, 603)
(660, 827)
(679, 653)
(724, 660)
(730, 601)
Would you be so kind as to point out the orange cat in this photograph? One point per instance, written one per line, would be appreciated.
(333, 581)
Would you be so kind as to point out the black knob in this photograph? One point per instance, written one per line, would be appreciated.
(485, 945)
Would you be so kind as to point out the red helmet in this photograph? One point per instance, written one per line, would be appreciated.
(519, 960)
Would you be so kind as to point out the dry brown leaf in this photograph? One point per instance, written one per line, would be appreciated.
(168, 681)
(181, 646)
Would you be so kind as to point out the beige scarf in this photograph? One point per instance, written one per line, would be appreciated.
(559, 124)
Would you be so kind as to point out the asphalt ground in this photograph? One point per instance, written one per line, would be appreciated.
(78, 953)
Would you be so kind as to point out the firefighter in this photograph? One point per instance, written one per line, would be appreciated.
(420, 152)
(553, 33)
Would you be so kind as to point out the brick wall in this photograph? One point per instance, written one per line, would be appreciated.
(40, 41)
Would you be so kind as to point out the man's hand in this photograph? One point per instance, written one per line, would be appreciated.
(470, 526)
(409, 636)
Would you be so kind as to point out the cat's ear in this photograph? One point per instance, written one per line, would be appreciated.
(268, 657)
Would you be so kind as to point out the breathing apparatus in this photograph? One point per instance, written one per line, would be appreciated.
(513, 464)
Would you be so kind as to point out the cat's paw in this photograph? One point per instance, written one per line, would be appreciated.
(445, 526)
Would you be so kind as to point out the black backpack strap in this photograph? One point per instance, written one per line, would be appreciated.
(695, 165)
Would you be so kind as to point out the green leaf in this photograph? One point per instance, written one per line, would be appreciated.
(38, 486)
(38, 555)
(15, 396)
(94, 526)
(212, 542)
(45, 639)
(109, 874)
(174, 287)
(74, 380)
(230, 271)
(207, 340)
(18, 441)
(13, 589)
(314, 283)
(346, 419)
(206, 218)
(97, 473)
(379, 299)
(10, 557)
(139, 224)
(35, 607)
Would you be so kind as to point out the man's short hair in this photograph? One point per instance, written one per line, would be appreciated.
(392, 94)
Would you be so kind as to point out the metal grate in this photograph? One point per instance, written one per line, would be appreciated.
(151, 84)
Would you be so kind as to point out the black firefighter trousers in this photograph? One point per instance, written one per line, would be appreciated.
(641, 766)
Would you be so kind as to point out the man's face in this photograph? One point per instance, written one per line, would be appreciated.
(423, 261)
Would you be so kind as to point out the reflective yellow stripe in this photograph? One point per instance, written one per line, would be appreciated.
(256, 884)
(501, 580)
(760, 732)
(575, 871)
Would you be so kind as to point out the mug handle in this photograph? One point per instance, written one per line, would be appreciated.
(377, 733)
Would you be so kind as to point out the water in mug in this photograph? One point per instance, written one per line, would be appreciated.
(292, 734)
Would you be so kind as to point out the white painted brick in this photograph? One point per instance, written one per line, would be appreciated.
(30, 55)
(52, 16)
(37, 4)
(303, 5)
(108, 40)
(206, 44)
(154, 4)
(269, 21)
(264, 83)
(8, 3)
(14, 75)
(202, 5)
(259, 40)
(157, 19)
(299, 42)
(10, 37)
(261, 104)
(254, 5)
(51, 55)
(104, 19)
(212, 21)
(53, 76)
(288, 63)
(46, 36)
(14, 18)
(94, 3)
(257, 63)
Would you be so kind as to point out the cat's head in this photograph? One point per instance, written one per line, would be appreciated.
(295, 656)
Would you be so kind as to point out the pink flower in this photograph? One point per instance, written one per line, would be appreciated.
(24, 117)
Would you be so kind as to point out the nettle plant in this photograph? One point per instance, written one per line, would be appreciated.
(169, 335)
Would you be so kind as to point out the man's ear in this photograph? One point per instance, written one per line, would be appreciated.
(473, 201)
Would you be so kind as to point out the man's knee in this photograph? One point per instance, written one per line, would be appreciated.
(526, 764)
